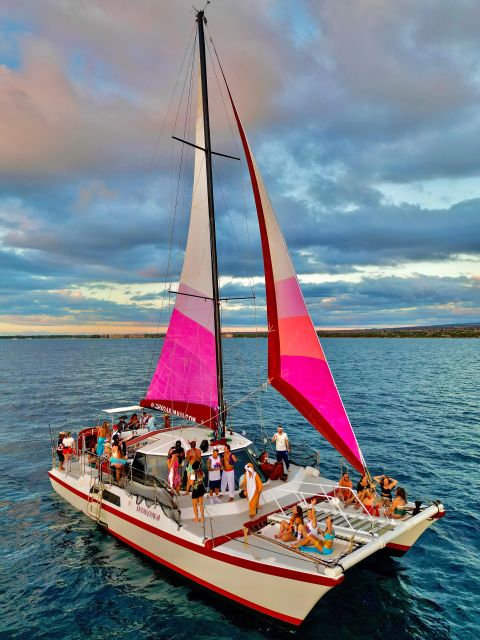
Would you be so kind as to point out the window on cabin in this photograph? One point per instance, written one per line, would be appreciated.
(145, 468)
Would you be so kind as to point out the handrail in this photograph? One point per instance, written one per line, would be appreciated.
(327, 491)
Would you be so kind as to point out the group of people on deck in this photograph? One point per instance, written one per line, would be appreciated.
(220, 470)
(366, 497)
(109, 445)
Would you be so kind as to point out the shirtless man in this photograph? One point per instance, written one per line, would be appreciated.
(344, 491)
(228, 475)
(193, 455)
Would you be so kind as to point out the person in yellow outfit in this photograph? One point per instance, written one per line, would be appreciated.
(254, 487)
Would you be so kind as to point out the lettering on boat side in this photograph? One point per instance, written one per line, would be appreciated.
(147, 512)
(174, 412)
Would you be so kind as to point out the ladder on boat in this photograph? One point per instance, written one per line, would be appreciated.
(95, 498)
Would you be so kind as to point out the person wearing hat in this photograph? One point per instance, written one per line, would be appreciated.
(282, 446)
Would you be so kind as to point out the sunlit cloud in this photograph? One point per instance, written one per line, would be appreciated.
(364, 118)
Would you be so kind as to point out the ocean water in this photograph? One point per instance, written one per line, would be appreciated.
(415, 409)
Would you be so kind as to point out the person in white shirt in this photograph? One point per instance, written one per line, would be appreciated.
(282, 446)
(214, 466)
(147, 421)
(68, 446)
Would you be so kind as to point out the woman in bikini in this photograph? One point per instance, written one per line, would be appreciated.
(362, 486)
(386, 486)
(369, 500)
(198, 490)
(290, 530)
(311, 540)
(398, 508)
(117, 460)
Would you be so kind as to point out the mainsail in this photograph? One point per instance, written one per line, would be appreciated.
(185, 380)
(297, 366)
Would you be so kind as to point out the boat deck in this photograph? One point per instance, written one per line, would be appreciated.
(228, 528)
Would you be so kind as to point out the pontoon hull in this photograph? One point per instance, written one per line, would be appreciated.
(286, 595)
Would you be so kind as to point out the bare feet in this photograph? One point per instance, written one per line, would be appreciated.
(196, 520)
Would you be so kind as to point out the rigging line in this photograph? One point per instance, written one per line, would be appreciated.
(184, 197)
(183, 208)
(172, 219)
(234, 140)
(219, 85)
(155, 151)
(173, 268)
(249, 244)
(262, 387)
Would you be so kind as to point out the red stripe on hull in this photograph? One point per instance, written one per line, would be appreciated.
(216, 555)
(398, 547)
(208, 585)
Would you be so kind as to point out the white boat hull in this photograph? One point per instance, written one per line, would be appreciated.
(261, 583)
(269, 591)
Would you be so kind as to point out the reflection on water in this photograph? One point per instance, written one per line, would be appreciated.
(414, 406)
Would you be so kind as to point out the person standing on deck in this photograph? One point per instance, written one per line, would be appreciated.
(214, 465)
(228, 475)
(282, 446)
(253, 489)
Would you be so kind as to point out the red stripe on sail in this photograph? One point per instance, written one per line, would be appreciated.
(291, 334)
(272, 315)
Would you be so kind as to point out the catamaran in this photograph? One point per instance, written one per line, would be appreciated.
(230, 553)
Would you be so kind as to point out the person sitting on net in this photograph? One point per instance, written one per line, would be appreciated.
(324, 544)
(344, 490)
(291, 529)
(271, 471)
(398, 508)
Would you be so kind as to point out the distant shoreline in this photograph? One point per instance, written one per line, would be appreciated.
(472, 331)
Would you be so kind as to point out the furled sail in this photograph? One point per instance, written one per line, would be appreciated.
(185, 380)
(297, 366)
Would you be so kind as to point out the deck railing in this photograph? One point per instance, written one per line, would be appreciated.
(326, 492)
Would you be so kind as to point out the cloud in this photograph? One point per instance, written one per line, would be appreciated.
(337, 99)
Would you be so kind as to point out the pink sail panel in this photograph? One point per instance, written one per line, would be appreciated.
(297, 366)
(185, 380)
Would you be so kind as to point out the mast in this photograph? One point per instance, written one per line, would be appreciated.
(211, 217)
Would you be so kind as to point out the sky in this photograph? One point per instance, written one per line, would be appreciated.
(364, 118)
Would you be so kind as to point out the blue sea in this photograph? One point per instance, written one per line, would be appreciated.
(414, 405)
